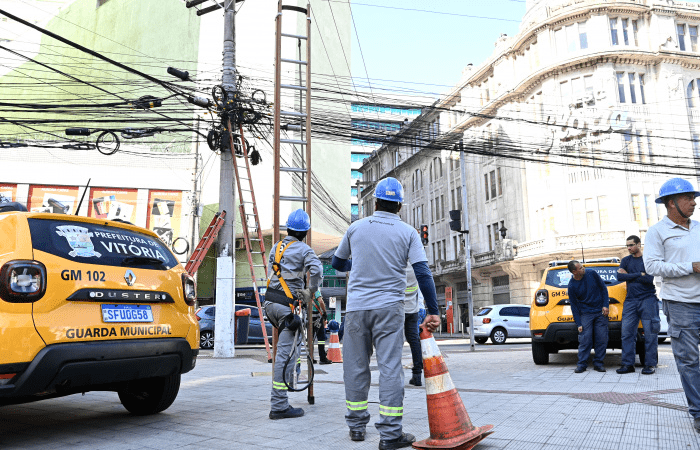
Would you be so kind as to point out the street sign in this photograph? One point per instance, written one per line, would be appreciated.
(331, 302)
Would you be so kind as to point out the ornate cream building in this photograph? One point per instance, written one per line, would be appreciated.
(570, 128)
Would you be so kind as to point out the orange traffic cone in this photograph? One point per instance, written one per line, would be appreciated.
(450, 426)
(334, 349)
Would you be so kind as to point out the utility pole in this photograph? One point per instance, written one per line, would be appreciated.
(467, 243)
(225, 261)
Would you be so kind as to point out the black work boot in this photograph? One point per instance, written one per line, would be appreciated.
(416, 379)
(322, 355)
(289, 413)
(404, 441)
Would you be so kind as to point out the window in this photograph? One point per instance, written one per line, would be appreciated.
(433, 248)
(628, 151)
(582, 38)
(625, 35)
(621, 86)
(492, 177)
(439, 250)
(680, 28)
(603, 212)
(455, 246)
(356, 175)
(613, 31)
(571, 38)
(353, 192)
(486, 185)
(691, 93)
(641, 88)
(442, 206)
(432, 211)
(693, 32)
(648, 207)
(459, 197)
(500, 185)
(636, 209)
(358, 157)
(444, 250)
(633, 95)
(354, 210)
(488, 232)
(577, 214)
(494, 228)
(635, 33)
(590, 214)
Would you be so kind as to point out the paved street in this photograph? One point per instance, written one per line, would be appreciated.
(223, 404)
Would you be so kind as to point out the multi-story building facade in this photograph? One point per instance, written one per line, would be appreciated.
(569, 127)
(372, 124)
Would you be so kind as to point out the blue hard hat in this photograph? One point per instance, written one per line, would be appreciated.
(389, 189)
(333, 326)
(675, 186)
(298, 221)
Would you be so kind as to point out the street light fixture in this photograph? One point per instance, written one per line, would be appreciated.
(503, 230)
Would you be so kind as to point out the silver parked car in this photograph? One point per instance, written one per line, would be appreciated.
(500, 322)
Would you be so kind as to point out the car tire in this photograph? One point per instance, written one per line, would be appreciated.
(151, 395)
(206, 339)
(480, 340)
(540, 353)
(662, 340)
(499, 336)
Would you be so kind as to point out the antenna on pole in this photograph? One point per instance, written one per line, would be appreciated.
(87, 186)
(582, 257)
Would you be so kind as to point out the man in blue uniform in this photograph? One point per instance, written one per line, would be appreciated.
(640, 304)
(290, 261)
(672, 251)
(589, 300)
(380, 245)
(412, 305)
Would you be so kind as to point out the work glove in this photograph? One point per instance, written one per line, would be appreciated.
(304, 296)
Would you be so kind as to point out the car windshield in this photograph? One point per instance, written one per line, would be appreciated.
(483, 311)
(559, 278)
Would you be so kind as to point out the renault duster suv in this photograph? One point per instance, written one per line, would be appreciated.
(552, 324)
(91, 305)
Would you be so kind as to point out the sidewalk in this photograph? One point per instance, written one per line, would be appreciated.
(224, 403)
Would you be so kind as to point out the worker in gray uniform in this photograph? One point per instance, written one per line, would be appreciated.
(380, 246)
(290, 260)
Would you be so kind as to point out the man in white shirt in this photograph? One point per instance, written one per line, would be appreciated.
(672, 251)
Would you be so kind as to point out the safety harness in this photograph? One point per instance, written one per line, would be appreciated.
(277, 271)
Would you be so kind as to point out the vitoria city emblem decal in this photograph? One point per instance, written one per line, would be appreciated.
(79, 240)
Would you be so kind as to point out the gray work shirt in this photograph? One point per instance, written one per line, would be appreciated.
(296, 261)
(414, 299)
(380, 245)
(669, 252)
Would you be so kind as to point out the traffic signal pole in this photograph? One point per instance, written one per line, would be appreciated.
(225, 266)
(467, 243)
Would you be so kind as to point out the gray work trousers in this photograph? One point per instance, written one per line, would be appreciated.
(382, 328)
(285, 345)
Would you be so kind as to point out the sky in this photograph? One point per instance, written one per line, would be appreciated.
(427, 44)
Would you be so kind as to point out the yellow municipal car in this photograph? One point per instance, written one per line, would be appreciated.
(552, 324)
(91, 305)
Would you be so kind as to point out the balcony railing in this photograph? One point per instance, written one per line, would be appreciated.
(571, 242)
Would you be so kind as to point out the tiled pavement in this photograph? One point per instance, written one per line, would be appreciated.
(223, 404)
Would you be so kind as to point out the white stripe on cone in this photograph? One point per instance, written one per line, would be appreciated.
(438, 384)
(429, 348)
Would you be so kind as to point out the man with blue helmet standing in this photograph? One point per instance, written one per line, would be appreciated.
(290, 260)
(380, 246)
(672, 251)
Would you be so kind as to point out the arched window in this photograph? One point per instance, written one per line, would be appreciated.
(692, 93)
(431, 172)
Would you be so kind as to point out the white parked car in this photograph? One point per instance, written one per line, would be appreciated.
(500, 322)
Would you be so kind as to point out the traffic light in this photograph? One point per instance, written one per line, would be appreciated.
(424, 234)
(456, 220)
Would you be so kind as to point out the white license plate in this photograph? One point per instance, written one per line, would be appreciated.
(127, 313)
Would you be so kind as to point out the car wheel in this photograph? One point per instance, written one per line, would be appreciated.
(540, 353)
(206, 339)
(480, 340)
(661, 340)
(151, 395)
(499, 335)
